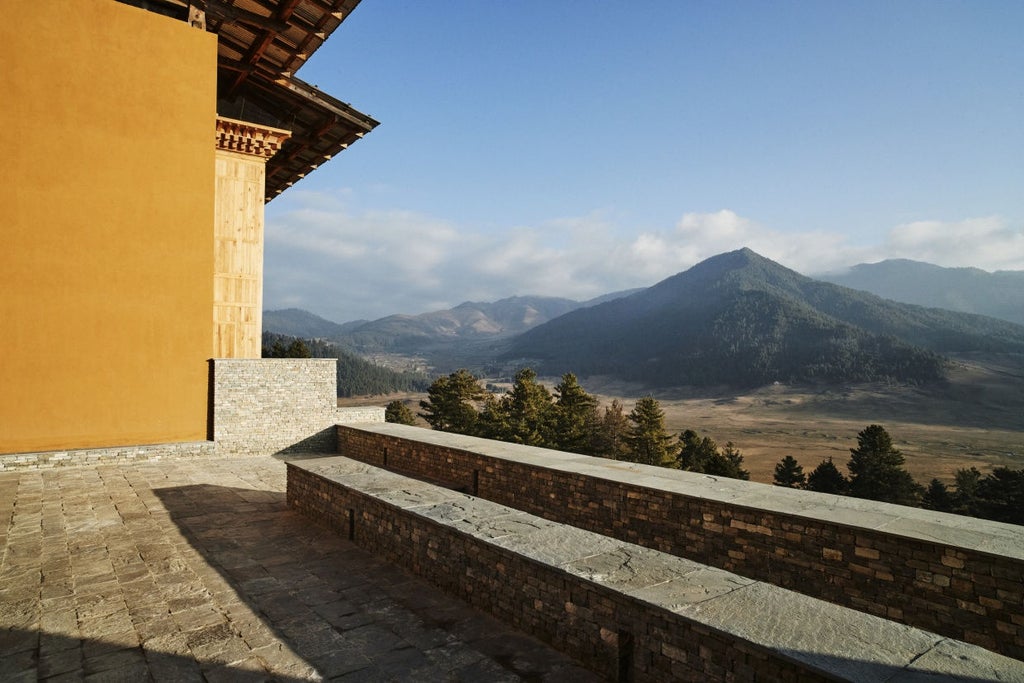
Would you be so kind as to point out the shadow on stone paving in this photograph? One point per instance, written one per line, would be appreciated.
(346, 613)
(35, 656)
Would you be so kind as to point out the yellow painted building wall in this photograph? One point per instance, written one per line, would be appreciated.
(106, 218)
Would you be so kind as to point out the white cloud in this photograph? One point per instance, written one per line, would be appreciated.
(988, 243)
(345, 264)
(698, 236)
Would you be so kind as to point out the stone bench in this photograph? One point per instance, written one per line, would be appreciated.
(958, 576)
(628, 612)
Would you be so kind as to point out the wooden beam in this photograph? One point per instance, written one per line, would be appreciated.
(231, 14)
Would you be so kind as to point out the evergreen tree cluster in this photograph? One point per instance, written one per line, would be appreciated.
(570, 419)
(998, 496)
(356, 376)
(876, 472)
(399, 413)
(295, 349)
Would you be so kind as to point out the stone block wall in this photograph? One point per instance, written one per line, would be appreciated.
(273, 405)
(627, 612)
(528, 595)
(956, 576)
(121, 455)
(278, 405)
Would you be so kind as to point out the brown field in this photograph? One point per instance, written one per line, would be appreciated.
(974, 419)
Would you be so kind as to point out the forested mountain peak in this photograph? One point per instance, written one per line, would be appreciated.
(735, 270)
(742, 319)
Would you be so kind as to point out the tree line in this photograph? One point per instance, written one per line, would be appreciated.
(569, 419)
(876, 472)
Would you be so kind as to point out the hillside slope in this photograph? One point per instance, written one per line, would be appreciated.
(969, 290)
(295, 322)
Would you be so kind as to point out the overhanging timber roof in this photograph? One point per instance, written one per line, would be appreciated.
(261, 43)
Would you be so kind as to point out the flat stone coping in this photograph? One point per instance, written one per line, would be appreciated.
(969, 533)
(359, 415)
(826, 638)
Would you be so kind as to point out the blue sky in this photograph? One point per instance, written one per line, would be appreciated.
(571, 148)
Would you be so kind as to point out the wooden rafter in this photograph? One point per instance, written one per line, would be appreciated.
(229, 13)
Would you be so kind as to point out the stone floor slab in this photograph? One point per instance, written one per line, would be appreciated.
(196, 570)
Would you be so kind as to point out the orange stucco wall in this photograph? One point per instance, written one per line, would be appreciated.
(106, 215)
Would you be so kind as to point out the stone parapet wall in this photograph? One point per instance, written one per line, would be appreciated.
(120, 455)
(957, 576)
(359, 415)
(627, 612)
(278, 405)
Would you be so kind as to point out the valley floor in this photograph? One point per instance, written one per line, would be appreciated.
(975, 419)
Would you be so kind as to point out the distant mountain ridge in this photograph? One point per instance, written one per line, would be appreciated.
(735, 319)
(295, 322)
(970, 290)
(469, 321)
(741, 319)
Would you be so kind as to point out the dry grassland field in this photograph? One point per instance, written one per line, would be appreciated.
(976, 418)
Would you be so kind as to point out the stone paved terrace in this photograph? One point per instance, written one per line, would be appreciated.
(196, 570)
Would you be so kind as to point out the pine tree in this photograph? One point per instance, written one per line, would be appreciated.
(492, 422)
(451, 403)
(276, 350)
(647, 439)
(876, 470)
(826, 478)
(298, 349)
(789, 473)
(965, 497)
(610, 437)
(526, 412)
(1001, 496)
(575, 417)
(398, 412)
(727, 463)
(695, 452)
(937, 497)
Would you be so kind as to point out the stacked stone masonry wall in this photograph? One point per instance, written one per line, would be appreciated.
(624, 611)
(942, 585)
(279, 405)
(121, 455)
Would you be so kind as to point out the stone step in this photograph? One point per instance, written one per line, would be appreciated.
(629, 612)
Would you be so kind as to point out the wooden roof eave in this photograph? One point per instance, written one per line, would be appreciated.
(321, 127)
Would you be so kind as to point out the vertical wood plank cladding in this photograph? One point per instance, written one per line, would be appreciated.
(242, 153)
(238, 256)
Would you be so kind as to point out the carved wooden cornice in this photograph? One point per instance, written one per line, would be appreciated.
(249, 138)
